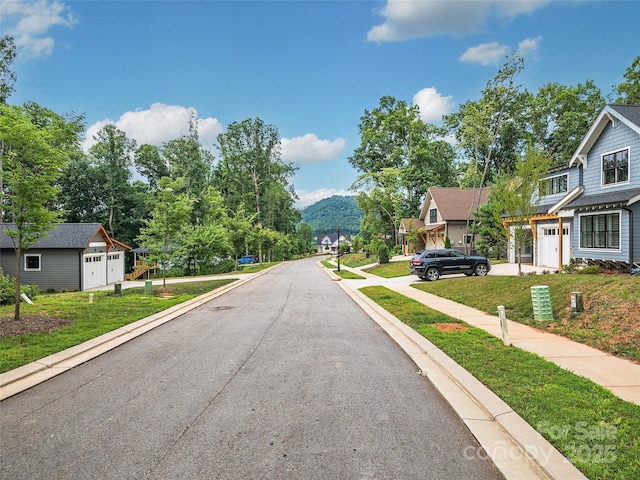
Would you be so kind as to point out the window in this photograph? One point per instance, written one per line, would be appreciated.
(551, 186)
(466, 238)
(433, 215)
(32, 262)
(615, 167)
(600, 231)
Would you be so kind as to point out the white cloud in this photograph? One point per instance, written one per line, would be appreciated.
(492, 53)
(158, 124)
(28, 22)
(309, 198)
(309, 149)
(405, 19)
(485, 54)
(529, 46)
(432, 104)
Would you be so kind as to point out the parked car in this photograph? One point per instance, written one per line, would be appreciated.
(431, 264)
(248, 259)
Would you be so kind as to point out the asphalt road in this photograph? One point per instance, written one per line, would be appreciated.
(284, 377)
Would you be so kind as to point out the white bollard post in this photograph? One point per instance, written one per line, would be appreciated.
(503, 326)
(91, 298)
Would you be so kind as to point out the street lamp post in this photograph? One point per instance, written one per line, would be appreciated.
(338, 247)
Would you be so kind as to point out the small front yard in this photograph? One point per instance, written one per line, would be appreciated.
(62, 320)
(596, 430)
(610, 321)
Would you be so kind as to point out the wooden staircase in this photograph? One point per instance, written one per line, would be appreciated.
(140, 270)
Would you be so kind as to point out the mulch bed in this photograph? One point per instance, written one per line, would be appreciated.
(30, 324)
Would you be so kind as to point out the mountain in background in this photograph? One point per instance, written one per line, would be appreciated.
(330, 212)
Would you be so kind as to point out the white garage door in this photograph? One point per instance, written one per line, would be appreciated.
(95, 270)
(549, 246)
(115, 267)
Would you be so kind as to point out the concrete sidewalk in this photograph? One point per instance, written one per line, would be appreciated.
(621, 377)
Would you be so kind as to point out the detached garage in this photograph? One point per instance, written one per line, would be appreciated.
(74, 256)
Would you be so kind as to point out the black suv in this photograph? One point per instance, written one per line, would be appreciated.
(430, 264)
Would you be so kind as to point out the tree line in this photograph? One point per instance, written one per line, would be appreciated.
(187, 207)
(489, 141)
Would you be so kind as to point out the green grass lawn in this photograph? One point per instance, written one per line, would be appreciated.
(107, 312)
(355, 260)
(596, 430)
(390, 270)
(611, 317)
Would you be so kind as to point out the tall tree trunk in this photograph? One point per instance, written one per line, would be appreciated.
(16, 314)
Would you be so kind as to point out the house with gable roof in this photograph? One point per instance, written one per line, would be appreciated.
(590, 209)
(73, 256)
(446, 213)
(328, 243)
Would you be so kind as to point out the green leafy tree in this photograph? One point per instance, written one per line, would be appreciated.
(285, 246)
(239, 225)
(489, 227)
(392, 136)
(251, 172)
(7, 76)
(169, 216)
(629, 90)
(517, 195)
(305, 236)
(112, 154)
(200, 246)
(380, 198)
(561, 115)
(150, 164)
(36, 143)
(492, 130)
(80, 197)
(187, 159)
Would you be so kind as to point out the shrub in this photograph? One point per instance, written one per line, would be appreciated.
(383, 253)
(591, 270)
(224, 266)
(572, 267)
(635, 271)
(8, 290)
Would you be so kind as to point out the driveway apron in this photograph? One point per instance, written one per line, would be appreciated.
(283, 377)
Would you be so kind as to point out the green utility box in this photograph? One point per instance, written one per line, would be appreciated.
(541, 300)
(148, 286)
(117, 289)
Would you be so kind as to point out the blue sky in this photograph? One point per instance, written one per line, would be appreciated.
(310, 68)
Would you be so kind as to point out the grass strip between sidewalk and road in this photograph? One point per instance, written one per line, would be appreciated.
(598, 432)
(88, 320)
(610, 321)
(341, 273)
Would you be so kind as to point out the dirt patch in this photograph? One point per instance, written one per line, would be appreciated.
(450, 327)
(30, 324)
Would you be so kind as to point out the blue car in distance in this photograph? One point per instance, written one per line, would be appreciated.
(248, 260)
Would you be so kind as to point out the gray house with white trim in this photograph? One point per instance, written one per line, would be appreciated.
(590, 209)
(73, 256)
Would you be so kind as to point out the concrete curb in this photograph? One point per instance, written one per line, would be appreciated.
(514, 446)
(27, 376)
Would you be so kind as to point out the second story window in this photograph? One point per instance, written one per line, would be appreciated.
(553, 185)
(433, 215)
(615, 167)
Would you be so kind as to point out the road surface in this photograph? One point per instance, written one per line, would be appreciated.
(284, 377)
